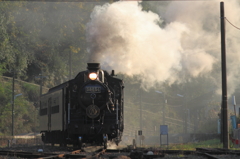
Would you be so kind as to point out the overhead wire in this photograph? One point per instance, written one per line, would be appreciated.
(155, 113)
(232, 24)
(157, 104)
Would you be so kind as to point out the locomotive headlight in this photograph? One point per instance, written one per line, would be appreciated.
(92, 76)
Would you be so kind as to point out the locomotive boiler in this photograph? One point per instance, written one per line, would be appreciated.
(87, 109)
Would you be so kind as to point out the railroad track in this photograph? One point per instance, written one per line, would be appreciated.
(73, 154)
(25, 154)
(218, 153)
(200, 153)
(62, 155)
(77, 154)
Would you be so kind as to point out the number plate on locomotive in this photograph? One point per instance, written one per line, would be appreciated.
(93, 89)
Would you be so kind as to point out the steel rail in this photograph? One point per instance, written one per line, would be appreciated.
(25, 154)
(102, 151)
(63, 155)
(210, 156)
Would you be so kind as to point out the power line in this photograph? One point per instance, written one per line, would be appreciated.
(155, 113)
(232, 24)
(158, 104)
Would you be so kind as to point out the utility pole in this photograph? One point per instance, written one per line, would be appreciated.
(224, 81)
(164, 107)
(13, 83)
(70, 65)
(164, 104)
(186, 113)
(140, 101)
(41, 83)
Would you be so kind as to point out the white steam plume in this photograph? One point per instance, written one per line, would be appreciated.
(203, 21)
(123, 37)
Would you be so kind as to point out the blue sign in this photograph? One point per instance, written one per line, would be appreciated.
(163, 129)
(234, 119)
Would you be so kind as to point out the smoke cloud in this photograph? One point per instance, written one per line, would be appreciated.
(184, 39)
(203, 21)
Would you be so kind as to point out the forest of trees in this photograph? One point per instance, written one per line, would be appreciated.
(40, 37)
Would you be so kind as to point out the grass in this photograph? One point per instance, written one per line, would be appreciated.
(214, 143)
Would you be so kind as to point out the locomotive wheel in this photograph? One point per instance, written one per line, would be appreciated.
(80, 142)
(63, 145)
(105, 140)
(105, 144)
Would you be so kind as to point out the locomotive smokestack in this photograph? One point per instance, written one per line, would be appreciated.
(112, 74)
(93, 66)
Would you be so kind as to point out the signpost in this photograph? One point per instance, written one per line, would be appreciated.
(140, 136)
(163, 131)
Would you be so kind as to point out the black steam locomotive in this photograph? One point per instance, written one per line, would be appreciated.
(87, 109)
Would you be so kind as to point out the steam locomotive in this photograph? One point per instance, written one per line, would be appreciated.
(85, 110)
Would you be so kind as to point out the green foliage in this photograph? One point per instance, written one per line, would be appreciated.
(32, 91)
(25, 113)
(38, 38)
(13, 51)
(25, 116)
